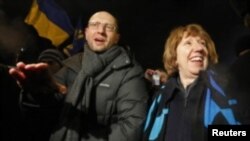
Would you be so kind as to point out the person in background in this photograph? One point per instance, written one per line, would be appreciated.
(191, 99)
(54, 58)
(156, 76)
(240, 77)
(18, 41)
(100, 94)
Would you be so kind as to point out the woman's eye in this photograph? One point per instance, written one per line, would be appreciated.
(187, 43)
(202, 42)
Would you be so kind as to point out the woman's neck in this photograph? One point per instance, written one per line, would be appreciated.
(187, 80)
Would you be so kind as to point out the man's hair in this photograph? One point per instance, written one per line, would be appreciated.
(175, 37)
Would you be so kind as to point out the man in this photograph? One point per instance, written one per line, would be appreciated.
(103, 91)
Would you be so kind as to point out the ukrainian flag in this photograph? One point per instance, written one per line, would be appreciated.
(50, 21)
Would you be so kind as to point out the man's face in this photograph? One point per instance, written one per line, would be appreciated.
(101, 32)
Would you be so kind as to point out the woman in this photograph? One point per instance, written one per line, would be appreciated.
(191, 99)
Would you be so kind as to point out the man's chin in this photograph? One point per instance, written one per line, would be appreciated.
(98, 48)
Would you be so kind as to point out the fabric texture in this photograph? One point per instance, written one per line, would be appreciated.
(80, 93)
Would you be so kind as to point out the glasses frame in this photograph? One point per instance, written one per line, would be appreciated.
(108, 27)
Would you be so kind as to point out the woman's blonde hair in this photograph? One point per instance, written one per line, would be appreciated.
(175, 37)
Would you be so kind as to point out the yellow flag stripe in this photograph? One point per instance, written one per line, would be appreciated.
(44, 26)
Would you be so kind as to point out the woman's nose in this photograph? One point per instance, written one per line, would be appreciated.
(198, 46)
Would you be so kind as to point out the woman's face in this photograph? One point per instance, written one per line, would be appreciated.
(192, 56)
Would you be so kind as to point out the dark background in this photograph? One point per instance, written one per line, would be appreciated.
(145, 24)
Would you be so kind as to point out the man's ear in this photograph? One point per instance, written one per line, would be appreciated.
(117, 38)
(85, 30)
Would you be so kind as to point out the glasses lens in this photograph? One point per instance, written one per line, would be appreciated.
(106, 26)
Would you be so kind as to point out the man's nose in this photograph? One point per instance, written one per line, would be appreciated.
(101, 28)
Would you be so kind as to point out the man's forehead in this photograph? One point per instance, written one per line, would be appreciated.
(103, 16)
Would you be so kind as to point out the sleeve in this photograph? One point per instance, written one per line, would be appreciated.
(42, 93)
(45, 93)
(40, 109)
(131, 108)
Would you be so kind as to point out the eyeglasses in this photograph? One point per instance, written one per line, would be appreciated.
(106, 26)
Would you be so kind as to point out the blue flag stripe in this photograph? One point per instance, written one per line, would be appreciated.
(56, 14)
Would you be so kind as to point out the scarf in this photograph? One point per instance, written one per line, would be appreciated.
(216, 102)
(78, 99)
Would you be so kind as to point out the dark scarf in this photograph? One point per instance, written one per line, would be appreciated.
(92, 65)
(78, 99)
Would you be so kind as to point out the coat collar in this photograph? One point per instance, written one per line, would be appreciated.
(123, 60)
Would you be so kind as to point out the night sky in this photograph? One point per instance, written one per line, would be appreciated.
(145, 24)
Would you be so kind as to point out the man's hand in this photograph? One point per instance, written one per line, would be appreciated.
(22, 71)
(34, 77)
